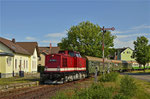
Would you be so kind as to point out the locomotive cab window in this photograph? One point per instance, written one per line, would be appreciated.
(71, 54)
(78, 55)
(61, 52)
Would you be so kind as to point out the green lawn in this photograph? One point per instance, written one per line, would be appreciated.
(141, 71)
(109, 89)
(146, 67)
(14, 80)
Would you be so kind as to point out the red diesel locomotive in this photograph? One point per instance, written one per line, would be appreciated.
(63, 67)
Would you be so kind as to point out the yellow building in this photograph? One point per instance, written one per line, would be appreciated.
(15, 58)
(32, 48)
(125, 54)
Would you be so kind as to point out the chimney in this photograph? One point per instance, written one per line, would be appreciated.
(50, 48)
(13, 40)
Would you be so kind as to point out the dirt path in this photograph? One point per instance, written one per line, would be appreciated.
(142, 76)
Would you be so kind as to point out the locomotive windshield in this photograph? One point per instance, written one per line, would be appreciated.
(78, 55)
(74, 54)
(71, 54)
(61, 52)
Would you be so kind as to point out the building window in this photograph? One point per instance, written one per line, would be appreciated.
(33, 64)
(34, 57)
(20, 66)
(9, 61)
(15, 63)
(27, 64)
(128, 52)
(24, 64)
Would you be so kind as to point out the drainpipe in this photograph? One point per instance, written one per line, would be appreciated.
(13, 66)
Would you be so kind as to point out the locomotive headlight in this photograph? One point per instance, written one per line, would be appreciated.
(45, 68)
(58, 68)
(51, 56)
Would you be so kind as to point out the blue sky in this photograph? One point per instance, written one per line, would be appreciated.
(46, 21)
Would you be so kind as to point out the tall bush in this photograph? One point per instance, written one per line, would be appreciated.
(111, 77)
(128, 86)
(120, 96)
(96, 91)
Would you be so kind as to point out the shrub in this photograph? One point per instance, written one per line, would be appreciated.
(61, 95)
(41, 69)
(128, 86)
(96, 91)
(111, 77)
(120, 96)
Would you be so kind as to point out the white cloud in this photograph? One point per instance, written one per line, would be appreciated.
(53, 38)
(120, 44)
(6, 37)
(119, 31)
(50, 41)
(47, 42)
(132, 35)
(115, 32)
(43, 45)
(126, 38)
(56, 35)
(133, 29)
(30, 38)
(144, 26)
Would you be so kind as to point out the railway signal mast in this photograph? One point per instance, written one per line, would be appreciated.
(104, 31)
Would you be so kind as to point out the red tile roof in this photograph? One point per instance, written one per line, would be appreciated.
(46, 50)
(13, 46)
(29, 46)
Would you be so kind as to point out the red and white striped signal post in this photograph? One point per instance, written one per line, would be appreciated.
(104, 31)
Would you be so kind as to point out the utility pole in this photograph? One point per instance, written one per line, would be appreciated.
(104, 31)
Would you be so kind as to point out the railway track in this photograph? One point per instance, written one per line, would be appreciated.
(39, 92)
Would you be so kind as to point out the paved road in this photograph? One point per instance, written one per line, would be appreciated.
(142, 76)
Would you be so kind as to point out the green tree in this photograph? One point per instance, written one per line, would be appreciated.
(86, 38)
(142, 51)
(112, 52)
